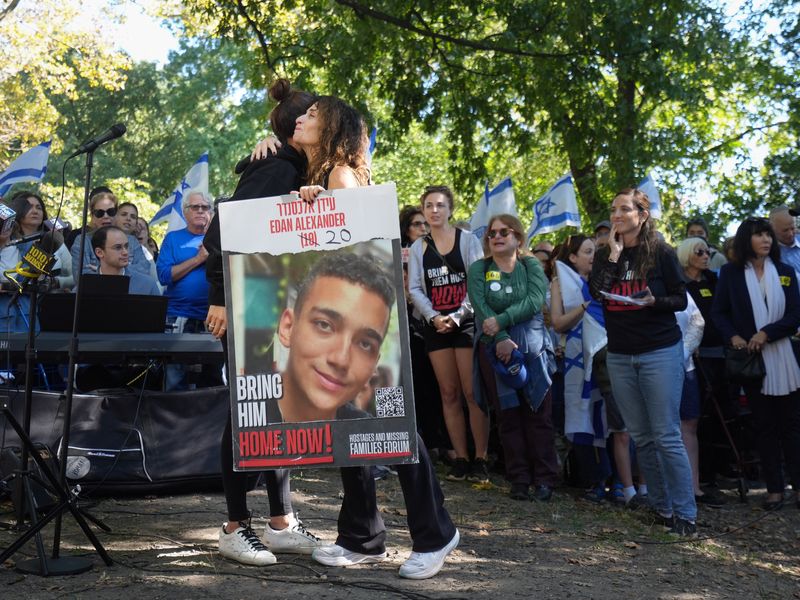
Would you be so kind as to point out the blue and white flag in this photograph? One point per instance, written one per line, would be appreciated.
(29, 166)
(648, 186)
(373, 140)
(556, 209)
(172, 211)
(498, 201)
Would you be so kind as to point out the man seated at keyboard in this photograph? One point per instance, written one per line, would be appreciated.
(111, 246)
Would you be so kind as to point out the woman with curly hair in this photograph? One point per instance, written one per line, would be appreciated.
(333, 136)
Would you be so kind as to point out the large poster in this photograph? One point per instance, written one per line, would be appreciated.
(318, 349)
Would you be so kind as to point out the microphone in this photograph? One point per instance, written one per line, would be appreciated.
(112, 133)
(26, 238)
(37, 261)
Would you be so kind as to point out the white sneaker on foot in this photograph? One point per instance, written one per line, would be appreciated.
(295, 539)
(244, 546)
(333, 555)
(422, 565)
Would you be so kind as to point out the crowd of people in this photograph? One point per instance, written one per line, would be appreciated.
(597, 359)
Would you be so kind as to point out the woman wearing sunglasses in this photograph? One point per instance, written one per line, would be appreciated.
(437, 282)
(701, 284)
(102, 210)
(508, 289)
(757, 306)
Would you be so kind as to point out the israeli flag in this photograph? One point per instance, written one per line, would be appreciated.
(195, 179)
(29, 166)
(498, 201)
(648, 186)
(373, 140)
(556, 209)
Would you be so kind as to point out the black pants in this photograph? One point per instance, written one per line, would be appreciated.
(427, 401)
(777, 421)
(361, 527)
(235, 484)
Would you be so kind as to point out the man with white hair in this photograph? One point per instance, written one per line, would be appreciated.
(181, 268)
(785, 227)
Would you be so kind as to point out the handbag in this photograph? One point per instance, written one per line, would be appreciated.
(744, 367)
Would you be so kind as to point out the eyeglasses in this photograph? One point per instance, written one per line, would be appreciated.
(702, 252)
(199, 207)
(419, 224)
(493, 233)
(118, 247)
(99, 213)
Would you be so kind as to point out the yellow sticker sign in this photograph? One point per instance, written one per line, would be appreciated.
(706, 293)
(492, 275)
(786, 280)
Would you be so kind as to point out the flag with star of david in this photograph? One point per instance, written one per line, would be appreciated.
(556, 209)
(171, 211)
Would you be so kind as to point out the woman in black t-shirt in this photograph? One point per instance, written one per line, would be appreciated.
(437, 282)
(645, 351)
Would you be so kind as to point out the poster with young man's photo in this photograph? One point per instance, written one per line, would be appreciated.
(318, 349)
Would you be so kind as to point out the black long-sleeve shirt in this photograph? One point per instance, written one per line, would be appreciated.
(637, 329)
(271, 176)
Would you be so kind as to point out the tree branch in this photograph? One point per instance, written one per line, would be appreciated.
(362, 10)
(7, 10)
(739, 136)
(262, 40)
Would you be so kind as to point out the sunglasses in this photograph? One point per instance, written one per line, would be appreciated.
(702, 252)
(420, 224)
(99, 213)
(199, 207)
(493, 233)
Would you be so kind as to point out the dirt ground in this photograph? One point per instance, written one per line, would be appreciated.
(165, 547)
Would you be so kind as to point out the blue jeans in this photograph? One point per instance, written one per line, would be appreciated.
(647, 388)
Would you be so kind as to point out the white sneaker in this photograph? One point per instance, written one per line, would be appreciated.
(295, 539)
(334, 555)
(244, 546)
(422, 565)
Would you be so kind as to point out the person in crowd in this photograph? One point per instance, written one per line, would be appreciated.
(152, 248)
(543, 251)
(181, 268)
(691, 323)
(701, 283)
(785, 227)
(697, 227)
(127, 219)
(74, 233)
(508, 289)
(142, 231)
(427, 401)
(757, 306)
(270, 176)
(31, 215)
(103, 210)
(601, 231)
(585, 422)
(334, 136)
(437, 282)
(645, 352)
(111, 244)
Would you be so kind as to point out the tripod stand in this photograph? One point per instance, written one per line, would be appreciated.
(55, 564)
(42, 564)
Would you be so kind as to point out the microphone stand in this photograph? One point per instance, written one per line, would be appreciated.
(73, 359)
(55, 565)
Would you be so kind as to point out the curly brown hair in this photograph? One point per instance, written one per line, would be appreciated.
(343, 142)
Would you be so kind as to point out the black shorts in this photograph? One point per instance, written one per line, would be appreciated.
(462, 337)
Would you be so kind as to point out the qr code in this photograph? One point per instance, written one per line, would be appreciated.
(389, 402)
